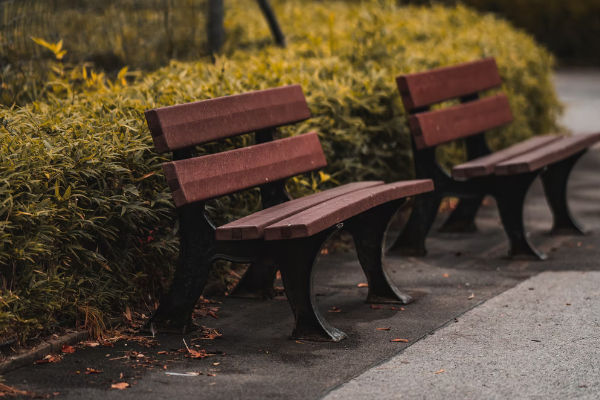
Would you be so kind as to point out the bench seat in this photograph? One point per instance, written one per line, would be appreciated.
(329, 213)
(252, 226)
(485, 165)
(546, 155)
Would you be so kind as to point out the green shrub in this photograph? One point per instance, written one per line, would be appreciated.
(87, 225)
(568, 28)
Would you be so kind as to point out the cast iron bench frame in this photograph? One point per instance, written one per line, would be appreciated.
(287, 234)
(506, 174)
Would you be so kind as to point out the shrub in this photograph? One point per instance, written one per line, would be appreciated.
(87, 224)
(567, 28)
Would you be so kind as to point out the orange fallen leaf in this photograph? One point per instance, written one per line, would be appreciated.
(89, 371)
(213, 314)
(6, 390)
(383, 329)
(91, 344)
(334, 309)
(471, 297)
(50, 358)
(68, 349)
(163, 352)
(362, 284)
(209, 374)
(120, 385)
(440, 371)
(127, 314)
(445, 275)
(399, 340)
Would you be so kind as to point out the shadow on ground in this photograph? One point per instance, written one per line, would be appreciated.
(256, 359)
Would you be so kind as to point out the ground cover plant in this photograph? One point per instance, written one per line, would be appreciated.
(87, 224)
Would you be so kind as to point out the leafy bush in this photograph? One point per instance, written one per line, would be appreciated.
(87, 225)
(568, 28)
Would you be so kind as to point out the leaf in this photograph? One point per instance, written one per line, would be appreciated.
(68, 349)
(383, 329)
(120, 385)
(440, 371)
(399, 340)
(362, 284)
(89, 371)
(471, 296)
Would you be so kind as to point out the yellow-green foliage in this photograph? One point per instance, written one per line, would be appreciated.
(86, 221)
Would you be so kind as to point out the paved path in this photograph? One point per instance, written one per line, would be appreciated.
(537, 340)
(579, 90)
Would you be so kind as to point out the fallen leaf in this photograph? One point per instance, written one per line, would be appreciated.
(196, 354)
(376, 307)
(399, 340)
(440, 371)
(91, 344)
(163, 352)
(299, 342)
(120, 385)
(362, 284)
(68, 349)
(216, 363)
(127, 314)
(213, 314)
(89, 371)
(209, 374)
(324, 251)
(50, 358)
(334, 309)
(471, 297)
(383, 329)
(445, 275)
(6, 390)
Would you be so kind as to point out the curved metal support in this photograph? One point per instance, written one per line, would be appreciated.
(411, 241)
(296, 258)
(555, 179)
(462, 218)
(510, 193)
(257, 282)
(368, 231)
(197, 238)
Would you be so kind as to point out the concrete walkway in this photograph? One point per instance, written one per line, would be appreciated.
(579, 90)
(538, 340)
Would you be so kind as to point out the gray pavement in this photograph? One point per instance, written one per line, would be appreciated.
(579, 90)
(538, 340)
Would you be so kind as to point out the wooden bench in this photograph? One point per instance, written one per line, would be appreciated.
(287, 234)
(506, 174)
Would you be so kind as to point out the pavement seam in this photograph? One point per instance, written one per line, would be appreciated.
(425, 335)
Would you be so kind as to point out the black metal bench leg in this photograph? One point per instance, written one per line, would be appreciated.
(411, 241)
(555, 179)
(462, 218)
(257, 282)
(174, 313)
(510, 194)
(296, 258)
(368, 231)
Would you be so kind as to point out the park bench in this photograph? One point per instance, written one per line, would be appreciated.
(287, 234)
(506, 174)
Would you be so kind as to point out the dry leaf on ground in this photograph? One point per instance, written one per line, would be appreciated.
(399, 340)
(362, 284)
(50, 358)
(383, 329)
(120, 385)
(440, 371)
(68, 349)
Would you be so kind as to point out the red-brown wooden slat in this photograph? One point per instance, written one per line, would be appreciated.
(339, 209)
(555, 151)
(186, 125)
(441, 126)
(252, 226)
(214, 175)
(485, 165)
(430, 87)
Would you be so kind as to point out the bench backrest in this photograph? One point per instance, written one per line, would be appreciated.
(464, 81)
(202, 178)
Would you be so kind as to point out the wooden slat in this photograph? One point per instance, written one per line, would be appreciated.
(430, 87)
(252, 226)
(441, 126)
(485, 165)
(339, 209)
(546, 155)
(186, 125)
(206, 177)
